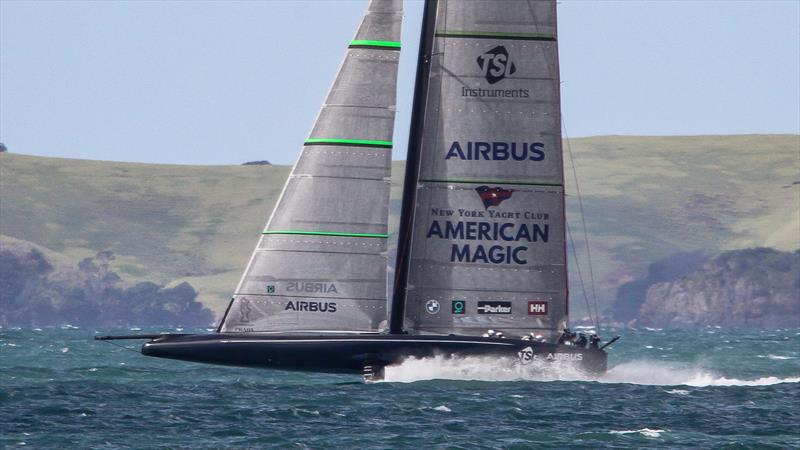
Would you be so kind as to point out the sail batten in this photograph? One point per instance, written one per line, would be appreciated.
(352, 142)
(320, 263)
(326, 233)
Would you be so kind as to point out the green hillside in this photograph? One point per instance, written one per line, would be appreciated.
(645, 198)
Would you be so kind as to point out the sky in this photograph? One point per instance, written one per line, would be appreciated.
(228, 82)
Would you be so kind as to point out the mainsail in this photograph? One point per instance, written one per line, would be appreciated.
(320, 264)
(485, 242)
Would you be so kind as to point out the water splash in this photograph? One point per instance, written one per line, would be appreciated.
(642, 372)
(647, 432)
(664, 374)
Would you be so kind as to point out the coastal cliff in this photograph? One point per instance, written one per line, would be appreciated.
(753, 288)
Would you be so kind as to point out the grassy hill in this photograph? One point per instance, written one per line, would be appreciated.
(645, 198)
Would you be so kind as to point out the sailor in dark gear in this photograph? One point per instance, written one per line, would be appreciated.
(581, 342)
(594, 342)
(566, 337)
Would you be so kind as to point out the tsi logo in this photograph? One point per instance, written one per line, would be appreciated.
(496, 65)
(537, 308)
(526, 355)
(432, 306)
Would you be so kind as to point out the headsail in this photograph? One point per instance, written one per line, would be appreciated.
(487, 243)
(321, 261)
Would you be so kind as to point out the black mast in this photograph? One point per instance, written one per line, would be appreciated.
(412, 167)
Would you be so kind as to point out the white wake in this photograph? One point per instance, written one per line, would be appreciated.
(509, 369)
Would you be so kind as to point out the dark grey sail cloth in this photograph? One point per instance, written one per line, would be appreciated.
(487, 250)
(321, 263)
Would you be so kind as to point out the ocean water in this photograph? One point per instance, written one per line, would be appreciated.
(712, 388)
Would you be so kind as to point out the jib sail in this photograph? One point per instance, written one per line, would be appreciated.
(320, 264)
(486, 246)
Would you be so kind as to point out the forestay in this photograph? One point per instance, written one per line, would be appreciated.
(487, 250)
(321, 262)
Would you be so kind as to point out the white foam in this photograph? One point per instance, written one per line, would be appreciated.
(665, 374)
(677, 391)
(642, 372)
(649, 432)
(442, 408)
(778, 357)
(708, 380)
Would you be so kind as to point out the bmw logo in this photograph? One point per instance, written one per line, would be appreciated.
(432, 306)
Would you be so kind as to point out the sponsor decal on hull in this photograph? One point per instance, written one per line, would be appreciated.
(527, 356)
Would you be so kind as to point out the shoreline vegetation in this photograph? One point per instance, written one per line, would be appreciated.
(660, 213)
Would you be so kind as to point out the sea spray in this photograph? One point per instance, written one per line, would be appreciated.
(641, 372)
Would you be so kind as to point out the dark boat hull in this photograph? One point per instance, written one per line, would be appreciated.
(352, 353)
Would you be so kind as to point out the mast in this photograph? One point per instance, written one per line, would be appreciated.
(412, 167)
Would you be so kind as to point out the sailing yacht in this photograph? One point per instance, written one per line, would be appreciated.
(481, 259)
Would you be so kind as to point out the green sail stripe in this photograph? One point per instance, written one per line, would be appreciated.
(520, 183)
(326, 233)
(364, 142)
(368, 43)
(497, 35)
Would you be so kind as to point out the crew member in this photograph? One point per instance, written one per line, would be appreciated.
(566, 337)
(581, 342)
(594, 341)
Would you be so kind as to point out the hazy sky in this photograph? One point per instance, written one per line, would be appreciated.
(223, 83)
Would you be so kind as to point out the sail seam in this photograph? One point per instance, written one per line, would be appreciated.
(493, 290)
(279, 296)
(344, 252)
(478, 328)
(282, 341)
(310, 175)
(354, 142)
(327, 233)
(497, 35)
(521, 183)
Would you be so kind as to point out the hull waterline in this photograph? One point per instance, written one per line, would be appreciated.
(351, 354)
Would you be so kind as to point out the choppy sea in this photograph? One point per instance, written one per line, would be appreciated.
(713, 388)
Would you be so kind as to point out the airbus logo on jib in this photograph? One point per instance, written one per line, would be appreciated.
(496, 65)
